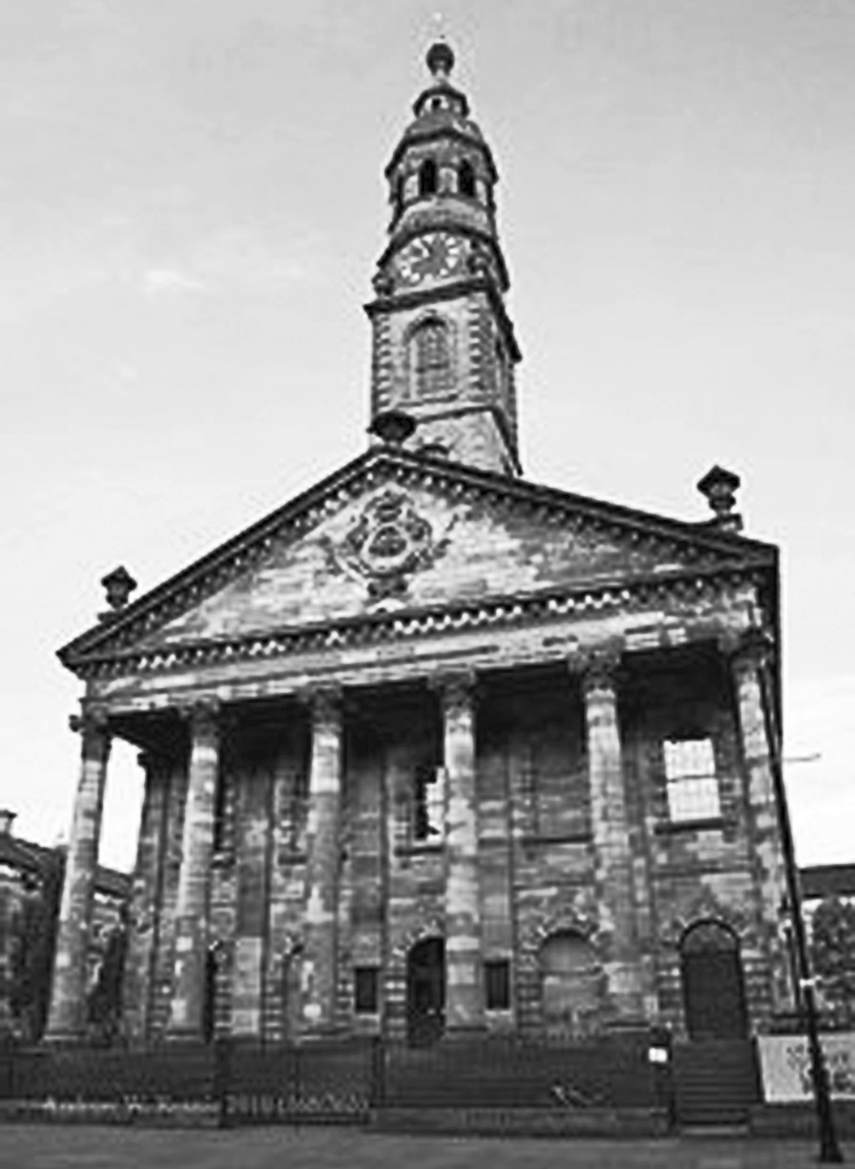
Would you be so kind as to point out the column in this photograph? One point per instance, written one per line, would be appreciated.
(191, 907)
(464, 996)
(252, 911)
(138, 989)
(67, 1017)
(318, 974)
(746, 663)
(617, 936)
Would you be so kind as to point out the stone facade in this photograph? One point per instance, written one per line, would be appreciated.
(433, 750)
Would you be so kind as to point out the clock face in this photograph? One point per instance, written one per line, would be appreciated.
(434, 255)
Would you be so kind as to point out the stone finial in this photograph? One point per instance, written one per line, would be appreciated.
(6, 819)
(118, 584)
(720, 486)
(393, 427)
(383, 283)
(440, 60)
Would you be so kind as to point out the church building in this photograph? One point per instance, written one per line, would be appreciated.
(435, 750)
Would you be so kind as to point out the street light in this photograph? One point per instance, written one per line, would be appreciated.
(829, 1149)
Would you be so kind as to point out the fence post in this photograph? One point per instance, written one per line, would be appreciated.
(661, 1056)
(7, 1078)
(222, 1078)
(377, 1092)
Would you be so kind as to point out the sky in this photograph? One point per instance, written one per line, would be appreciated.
(191, 208)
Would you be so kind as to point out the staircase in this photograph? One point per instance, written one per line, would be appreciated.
(715, 1082)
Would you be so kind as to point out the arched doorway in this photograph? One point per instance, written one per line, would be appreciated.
(713, 988)
(570, 984)
(426, 992)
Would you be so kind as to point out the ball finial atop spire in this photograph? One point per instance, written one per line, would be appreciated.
(440, 59)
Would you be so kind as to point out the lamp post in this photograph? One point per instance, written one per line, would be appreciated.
(829, 1149)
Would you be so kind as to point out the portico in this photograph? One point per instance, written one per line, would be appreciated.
(309, 845)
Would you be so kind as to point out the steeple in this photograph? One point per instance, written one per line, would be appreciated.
(443, 345)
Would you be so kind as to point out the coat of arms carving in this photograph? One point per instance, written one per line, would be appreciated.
(387, 544)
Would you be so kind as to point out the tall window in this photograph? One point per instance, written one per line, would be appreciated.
(691, 780)
(221, 811)
(428, 177)
(466, 179)
(429, 803)
(497, 984)
(430, 358)
(365, 990)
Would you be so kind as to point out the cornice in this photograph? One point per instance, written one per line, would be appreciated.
(404, 624)
(709, 552)
(417, 134)
(442, 292)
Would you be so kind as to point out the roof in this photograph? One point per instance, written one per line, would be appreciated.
(702, 542)
(820, 881)
(30, 857)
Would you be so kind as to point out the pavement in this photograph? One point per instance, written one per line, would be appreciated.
(24, 1146)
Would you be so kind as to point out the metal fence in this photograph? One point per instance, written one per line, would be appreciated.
(343, 1080)
(613, 1072)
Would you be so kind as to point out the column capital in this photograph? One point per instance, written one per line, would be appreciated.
(203, 716)
(93, 727)
(748, 650)
(325, 703)
(457, 689)
(152, 762)
(597, 667)
(91, 720)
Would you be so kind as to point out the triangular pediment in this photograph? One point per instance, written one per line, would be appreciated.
(392, 532)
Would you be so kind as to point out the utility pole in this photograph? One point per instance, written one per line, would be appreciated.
(829, 1149)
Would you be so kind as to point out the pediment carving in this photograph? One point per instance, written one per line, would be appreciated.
(387, 544)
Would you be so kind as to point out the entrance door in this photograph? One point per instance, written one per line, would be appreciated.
(426, 992)
(713, 989)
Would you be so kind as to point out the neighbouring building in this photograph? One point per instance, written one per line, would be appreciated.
(30, 884)
(828, 901)
(435, 750)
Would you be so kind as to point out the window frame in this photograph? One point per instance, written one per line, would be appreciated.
(692, 794)
(366, 979)
(497, 984)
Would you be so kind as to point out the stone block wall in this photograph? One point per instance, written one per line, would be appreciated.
(535, 852)
(690, 871)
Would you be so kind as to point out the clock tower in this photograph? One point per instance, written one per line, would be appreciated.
(443, 344)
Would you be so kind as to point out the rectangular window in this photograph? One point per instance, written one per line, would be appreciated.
(692, 784)
(365, 990)
(497, 985)
(429, 801)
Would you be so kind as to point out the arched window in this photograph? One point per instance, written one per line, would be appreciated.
(430, 359)
(466, 179)
(428, 177)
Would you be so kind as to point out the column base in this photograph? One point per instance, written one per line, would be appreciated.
(58, 1039)
(627, 1025)
(471, 1033)
(186, 1039)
